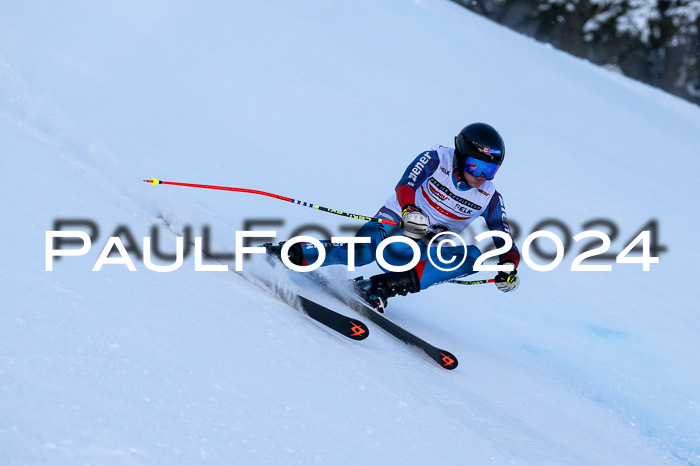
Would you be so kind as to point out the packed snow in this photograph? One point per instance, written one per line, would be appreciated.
(328, 102)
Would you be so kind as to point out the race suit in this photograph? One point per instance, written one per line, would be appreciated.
(450, 204)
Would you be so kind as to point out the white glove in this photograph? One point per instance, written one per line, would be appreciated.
(507, 281)
(415, 222)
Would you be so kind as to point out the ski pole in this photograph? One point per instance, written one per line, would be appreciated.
(155, 181)
(472, 282)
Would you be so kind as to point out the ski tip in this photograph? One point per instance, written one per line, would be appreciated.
(154, 181)
(449, 360)
(358, 330)
(350, 327)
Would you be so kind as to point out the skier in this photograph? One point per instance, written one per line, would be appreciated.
(443, 189)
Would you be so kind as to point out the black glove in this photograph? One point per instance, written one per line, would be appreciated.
(507, 281)
(415, 222)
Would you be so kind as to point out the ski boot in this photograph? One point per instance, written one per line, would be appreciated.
(377, 290)
(294, 254)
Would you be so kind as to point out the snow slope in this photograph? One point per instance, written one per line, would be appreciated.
(327, 102)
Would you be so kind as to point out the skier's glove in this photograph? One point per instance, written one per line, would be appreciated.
(507, 281)
(415, 222)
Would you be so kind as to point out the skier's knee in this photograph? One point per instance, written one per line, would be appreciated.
(473, 252)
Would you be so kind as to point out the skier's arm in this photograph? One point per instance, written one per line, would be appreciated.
(415, 222)
(495, 216)
(415, 175)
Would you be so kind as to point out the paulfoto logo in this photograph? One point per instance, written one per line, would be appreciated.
(434, 251)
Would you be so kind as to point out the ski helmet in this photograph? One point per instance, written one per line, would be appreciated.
(480, 141)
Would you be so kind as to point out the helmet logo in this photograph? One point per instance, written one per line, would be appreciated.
(488, 150)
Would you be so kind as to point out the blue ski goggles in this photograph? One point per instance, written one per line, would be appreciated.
(476, 167)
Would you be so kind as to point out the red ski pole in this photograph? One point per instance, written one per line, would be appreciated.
(155, 181)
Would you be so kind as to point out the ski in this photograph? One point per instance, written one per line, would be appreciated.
(354, 329)
(442, 357)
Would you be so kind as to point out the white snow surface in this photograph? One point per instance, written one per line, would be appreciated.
(327, 102)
